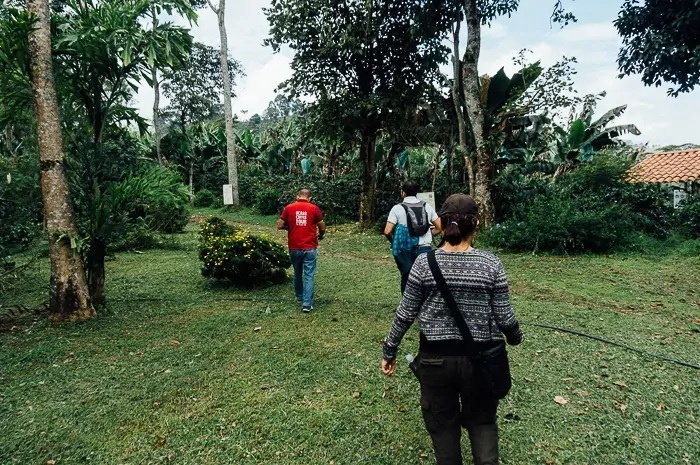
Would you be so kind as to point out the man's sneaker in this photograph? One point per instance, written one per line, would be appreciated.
(307, 309)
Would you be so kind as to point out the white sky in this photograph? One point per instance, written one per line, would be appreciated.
(663, 120)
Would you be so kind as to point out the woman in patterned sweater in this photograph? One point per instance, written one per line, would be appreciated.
(449, 396)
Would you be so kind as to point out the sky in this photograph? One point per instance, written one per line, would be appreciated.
(663, 120)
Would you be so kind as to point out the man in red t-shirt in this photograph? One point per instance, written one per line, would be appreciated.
(301, 219)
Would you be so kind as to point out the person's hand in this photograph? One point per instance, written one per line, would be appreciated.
(321, 234)
(388, 367)
(515, 337)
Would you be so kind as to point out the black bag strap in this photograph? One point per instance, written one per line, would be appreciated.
(409, 223)
(450, 301)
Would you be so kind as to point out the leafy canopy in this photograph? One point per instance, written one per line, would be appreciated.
(195, 89)
(366, 57)
(661, 41)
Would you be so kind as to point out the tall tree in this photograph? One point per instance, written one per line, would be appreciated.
(283, 106)
(476, 14)
(220, 12)
(362, 60)
(156, 96)
(195, 89)
(104, 51)
(661, 41)
(183, 7)
(69, 295)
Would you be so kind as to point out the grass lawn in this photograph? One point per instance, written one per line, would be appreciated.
(208, 376)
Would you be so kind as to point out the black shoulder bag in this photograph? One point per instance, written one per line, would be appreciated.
(491, 369)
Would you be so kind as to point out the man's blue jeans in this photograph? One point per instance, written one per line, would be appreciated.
(304, 263)
(404, 262)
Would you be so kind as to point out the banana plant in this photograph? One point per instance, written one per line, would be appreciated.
(584, 136)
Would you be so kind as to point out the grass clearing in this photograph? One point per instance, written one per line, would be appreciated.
(188, 380)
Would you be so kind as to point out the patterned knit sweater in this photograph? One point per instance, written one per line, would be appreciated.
(478, 283)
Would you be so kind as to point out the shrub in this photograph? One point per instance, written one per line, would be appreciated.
(570, 225)
(204, 199)
(687, 218)
(592, 209)
(157, 196)
(239, 257)
(20, 202)
(267, 202)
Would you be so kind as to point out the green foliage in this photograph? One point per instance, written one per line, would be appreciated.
(592, 209)
(195, 89)
(660, 42)
(239, 257)
(282, 107)
(565, 225)
(688, 216)
(337, 198)
(366, 64)
(105, 51)
(155, 195)
(267, 202)
(134, 203)
(201, 148)
(584, 136)
(204, 198)
(20, 201)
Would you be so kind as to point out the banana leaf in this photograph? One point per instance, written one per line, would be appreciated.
(607, 118)
(577, 134)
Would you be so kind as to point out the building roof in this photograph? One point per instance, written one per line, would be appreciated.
(682, 166)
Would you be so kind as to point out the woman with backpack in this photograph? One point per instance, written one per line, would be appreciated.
(460, 297)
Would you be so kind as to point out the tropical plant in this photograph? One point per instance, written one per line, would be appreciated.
(104, 52)
(584, 136)
(152, 198)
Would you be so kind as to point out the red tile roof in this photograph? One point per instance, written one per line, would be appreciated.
(667, 167)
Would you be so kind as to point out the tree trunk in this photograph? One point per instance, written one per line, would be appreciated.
(156, 99)
(369, 178)
(156, 118)
(449, 165)
(8, 139)
(388, 165)
(69, 299)
(228, 112)
(96, 271)
(328, 170)
(459, 107)
(475, 111)
(191, 180)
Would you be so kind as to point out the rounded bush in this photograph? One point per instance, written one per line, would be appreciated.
(267, 202)
(240, 258)
(204, 199)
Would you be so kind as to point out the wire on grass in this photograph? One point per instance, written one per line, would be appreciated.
(608, 341)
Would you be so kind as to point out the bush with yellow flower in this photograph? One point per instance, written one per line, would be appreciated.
(235, 255)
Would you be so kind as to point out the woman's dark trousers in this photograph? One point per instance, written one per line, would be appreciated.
(450, 401)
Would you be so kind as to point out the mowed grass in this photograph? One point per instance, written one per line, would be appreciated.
(179, 370)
